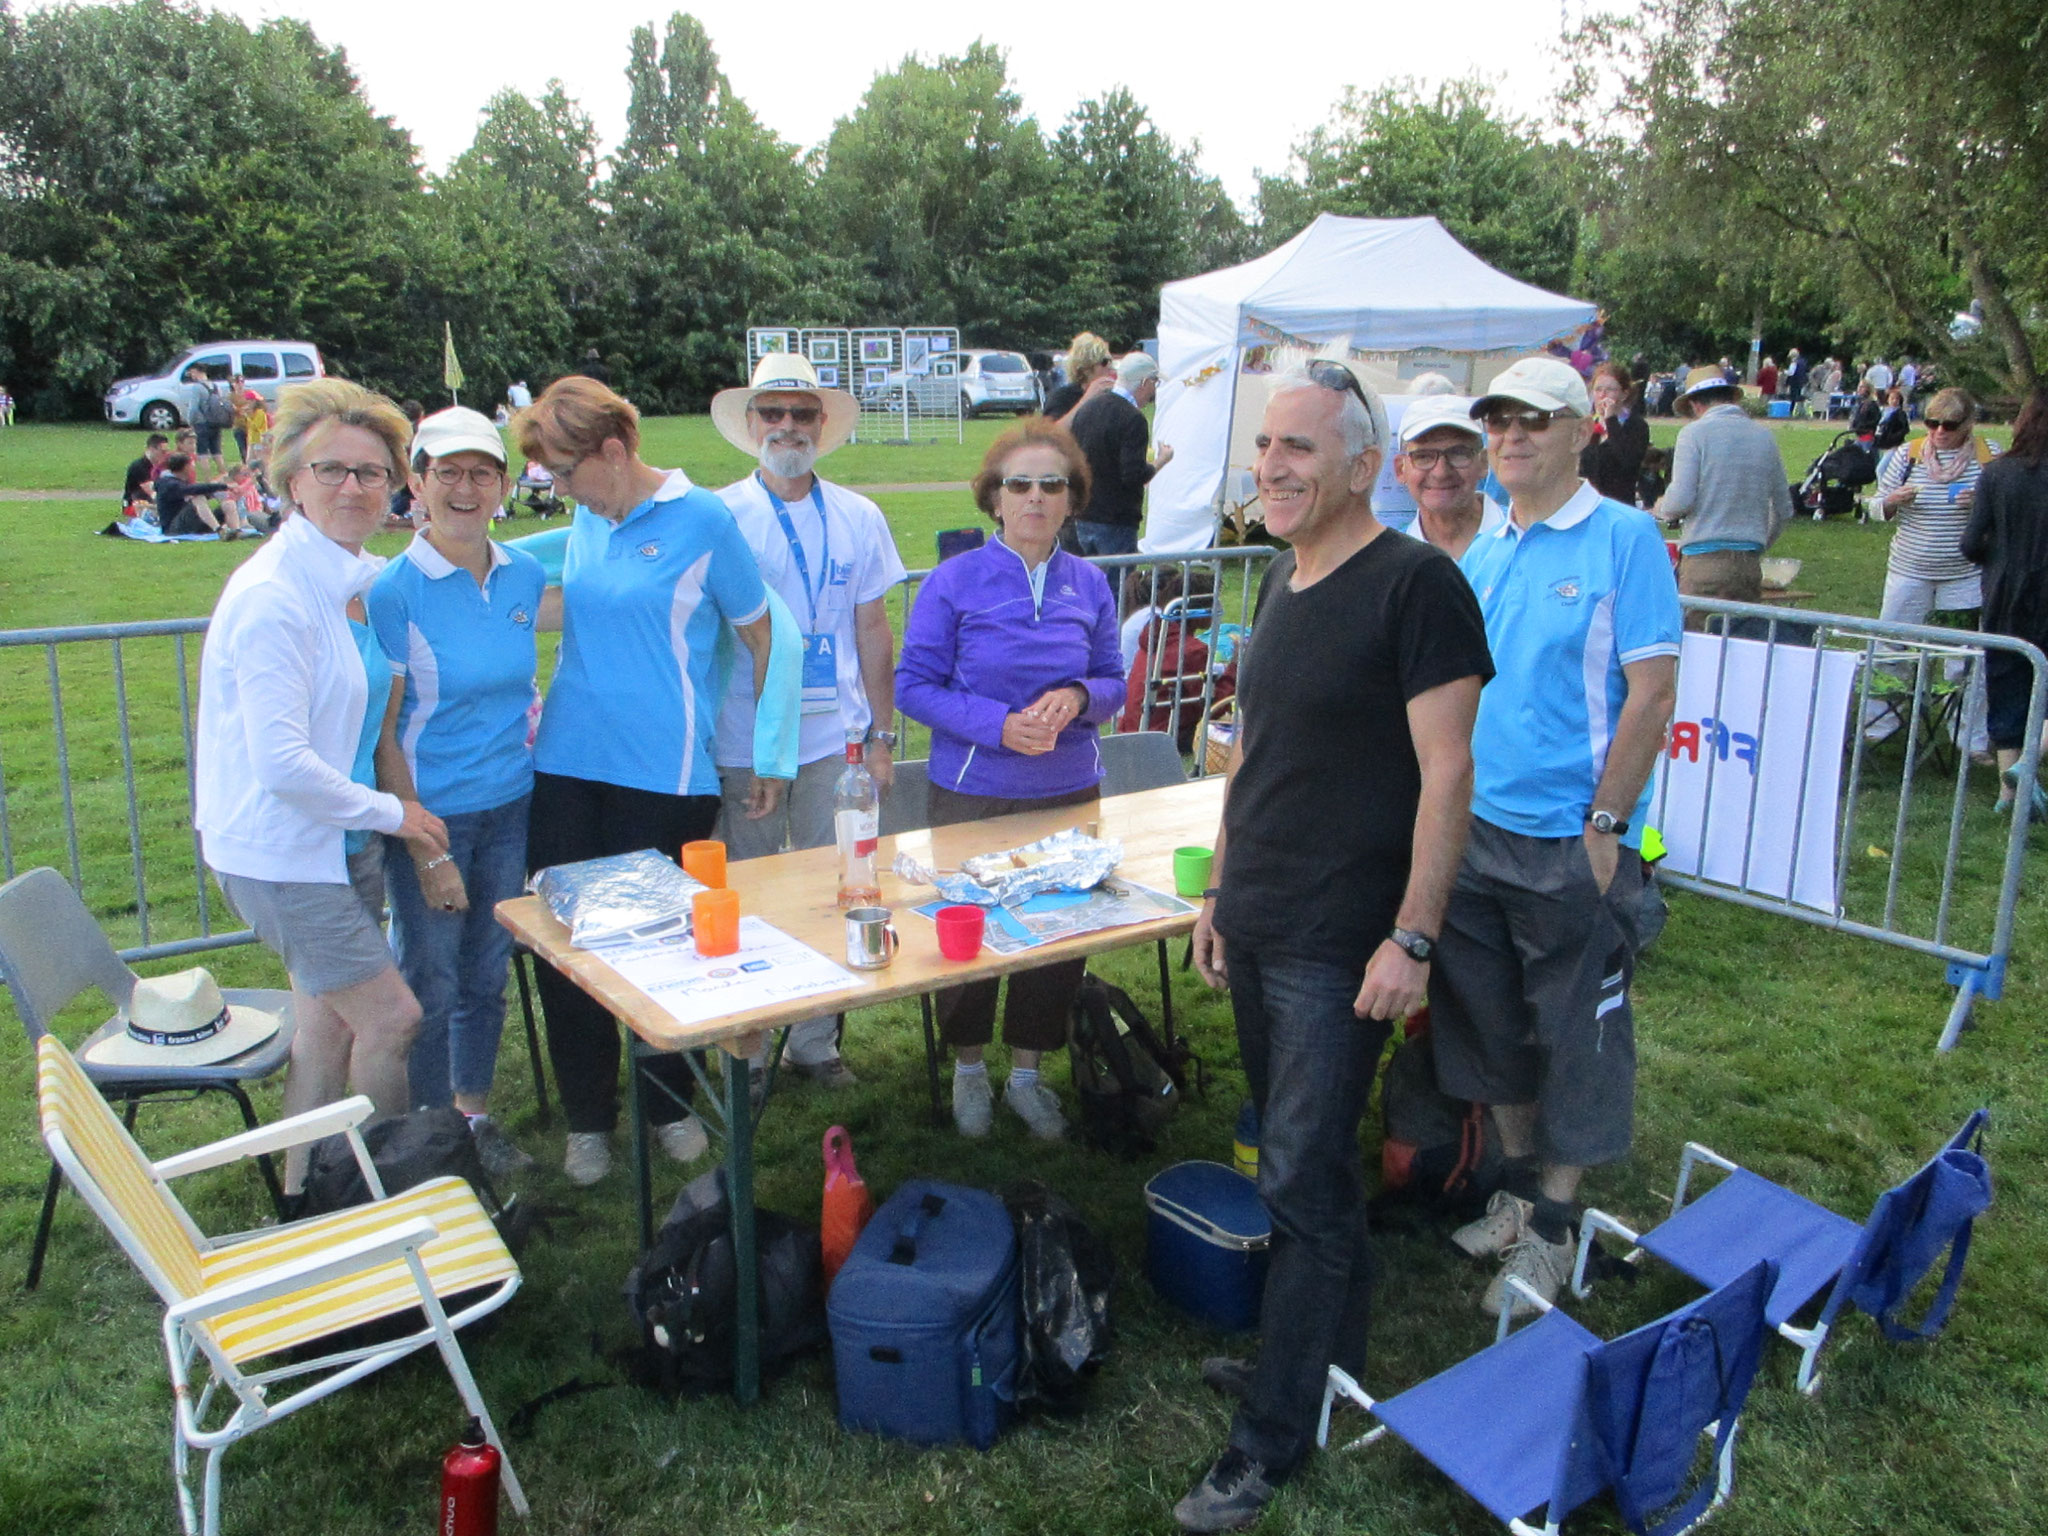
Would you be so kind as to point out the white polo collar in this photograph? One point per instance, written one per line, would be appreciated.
(1577, 508)
(422, 553)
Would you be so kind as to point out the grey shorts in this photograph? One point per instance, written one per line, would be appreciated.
(1529, 994)
(329, 936)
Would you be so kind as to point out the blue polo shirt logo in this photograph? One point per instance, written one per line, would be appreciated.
(522, 618)
(1567, 591)
(650, 551)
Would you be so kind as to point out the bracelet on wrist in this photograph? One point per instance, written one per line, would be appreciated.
(436, 863)
(1212, 893)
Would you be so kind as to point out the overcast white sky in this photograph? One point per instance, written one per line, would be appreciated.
(1247, 80)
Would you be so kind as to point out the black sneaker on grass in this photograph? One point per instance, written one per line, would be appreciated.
(1231, 1495)
(1228, 1375)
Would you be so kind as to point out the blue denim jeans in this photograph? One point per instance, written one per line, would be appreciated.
(1106, 538)
(455, 962)
(1310, 1063)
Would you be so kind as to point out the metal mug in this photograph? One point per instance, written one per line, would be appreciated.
(871, 940)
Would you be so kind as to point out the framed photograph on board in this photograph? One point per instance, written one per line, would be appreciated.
(873, 378)
(823, 349)
(876, 349)
(942, 367)
(917, 353)
(771, 341)
(828, 377)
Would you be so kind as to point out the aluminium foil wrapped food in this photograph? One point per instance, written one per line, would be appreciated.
(1066, 861)
(621, 896)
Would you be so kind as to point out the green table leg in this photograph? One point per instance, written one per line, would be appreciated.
(739, 1173)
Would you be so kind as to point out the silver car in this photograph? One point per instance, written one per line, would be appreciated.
(985, 381)
(162, 401)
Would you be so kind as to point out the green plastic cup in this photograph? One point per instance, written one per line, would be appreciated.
(1191, 868)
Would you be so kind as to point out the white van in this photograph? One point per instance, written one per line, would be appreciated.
(162, 401)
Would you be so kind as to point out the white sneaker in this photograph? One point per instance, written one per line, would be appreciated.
(1504, 1224)
(684, 1140)
(1038, 1107)
(588, 1158)
(973, 1104)
(1541, 1265)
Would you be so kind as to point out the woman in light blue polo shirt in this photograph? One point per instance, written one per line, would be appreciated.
(654, 571)
(456, 615)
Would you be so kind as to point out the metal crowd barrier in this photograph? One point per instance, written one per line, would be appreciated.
(96, 753)
(1905, 793)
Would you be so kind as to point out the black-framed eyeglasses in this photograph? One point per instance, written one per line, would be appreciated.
(799, 415)
(482, 476)
(1529, 420)
(1936, 424)
(1020, 485)
(371, 477)
(1461, 457)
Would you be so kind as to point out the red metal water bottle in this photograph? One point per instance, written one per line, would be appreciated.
(469, 1486)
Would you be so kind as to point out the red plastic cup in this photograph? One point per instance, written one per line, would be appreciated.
(960, 930)
(715, 922)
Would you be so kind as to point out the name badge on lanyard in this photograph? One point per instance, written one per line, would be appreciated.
(821, 650)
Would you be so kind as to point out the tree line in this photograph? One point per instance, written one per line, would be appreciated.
(1818, 172)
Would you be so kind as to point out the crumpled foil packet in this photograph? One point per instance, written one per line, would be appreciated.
(621, 896)
(1066, 861)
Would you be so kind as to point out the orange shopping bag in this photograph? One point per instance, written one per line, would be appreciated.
(848, 1205)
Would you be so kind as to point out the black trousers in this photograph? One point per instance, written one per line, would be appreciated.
(1035, 1012)
(576, 819)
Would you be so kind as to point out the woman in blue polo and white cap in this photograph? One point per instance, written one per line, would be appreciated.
(456, 615)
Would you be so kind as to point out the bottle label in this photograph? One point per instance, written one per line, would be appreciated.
(858, 832)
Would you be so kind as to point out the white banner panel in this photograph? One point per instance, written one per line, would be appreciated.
(1730, 751)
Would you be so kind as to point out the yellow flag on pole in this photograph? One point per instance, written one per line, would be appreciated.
(451, 366)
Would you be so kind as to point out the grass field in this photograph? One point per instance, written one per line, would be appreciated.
(1806, 1054)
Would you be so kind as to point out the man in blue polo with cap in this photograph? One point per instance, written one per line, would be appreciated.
(1529, 999)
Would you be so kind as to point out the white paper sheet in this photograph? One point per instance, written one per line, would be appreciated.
(769, 967)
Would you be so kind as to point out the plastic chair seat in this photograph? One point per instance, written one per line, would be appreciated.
(1498, 1423)
(1746, 1217)
(467, 1253)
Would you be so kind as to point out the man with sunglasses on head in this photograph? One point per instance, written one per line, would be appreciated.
(1529, 998)
(1442, 462)
(1349, 793)
(827, 552)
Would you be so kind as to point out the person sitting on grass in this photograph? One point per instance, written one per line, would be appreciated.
(140, 482)
(181, 506)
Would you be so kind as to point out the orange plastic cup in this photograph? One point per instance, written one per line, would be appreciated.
(715, 920)
(705, 861)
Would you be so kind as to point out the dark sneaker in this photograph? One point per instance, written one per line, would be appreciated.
(828, 1074)
(502, 1160)
(1231, 1377)
(1231, 1495)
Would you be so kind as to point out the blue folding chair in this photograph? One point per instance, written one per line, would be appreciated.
(1550, 1417)
(1874, 1267)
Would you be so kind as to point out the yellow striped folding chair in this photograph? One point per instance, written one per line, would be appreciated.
(235, 1306)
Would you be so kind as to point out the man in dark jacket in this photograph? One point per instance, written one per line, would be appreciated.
(1112, 432)
(181, 505)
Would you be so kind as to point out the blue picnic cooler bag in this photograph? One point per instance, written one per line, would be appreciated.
(1206, 1236)
(924, 1318)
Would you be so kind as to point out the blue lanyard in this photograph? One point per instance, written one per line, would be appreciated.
(796, 546)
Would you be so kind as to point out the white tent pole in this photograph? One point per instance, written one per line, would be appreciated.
(1230, 422)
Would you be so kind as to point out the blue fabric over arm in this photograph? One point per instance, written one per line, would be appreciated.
(778, 711)
(550, 547)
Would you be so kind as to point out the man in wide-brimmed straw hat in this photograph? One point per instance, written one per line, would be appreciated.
(827, 552)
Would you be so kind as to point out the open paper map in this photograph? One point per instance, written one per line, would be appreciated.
(1062, 914)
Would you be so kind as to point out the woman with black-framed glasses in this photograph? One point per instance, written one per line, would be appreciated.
(1011, 657)
(294, 690)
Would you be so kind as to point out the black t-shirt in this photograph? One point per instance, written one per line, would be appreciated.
(141, 479)
(1321, 815)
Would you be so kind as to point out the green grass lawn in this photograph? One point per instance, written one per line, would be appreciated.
(1806, 1054)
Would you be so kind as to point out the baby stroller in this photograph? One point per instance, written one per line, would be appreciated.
(1833, 479)
(536, 488)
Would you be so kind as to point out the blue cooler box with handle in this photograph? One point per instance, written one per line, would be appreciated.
(924, 1318)
(1206, 1236)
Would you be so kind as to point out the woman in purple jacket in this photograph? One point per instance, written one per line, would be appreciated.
(1011, 658)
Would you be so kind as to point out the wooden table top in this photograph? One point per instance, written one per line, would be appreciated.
(795, 892)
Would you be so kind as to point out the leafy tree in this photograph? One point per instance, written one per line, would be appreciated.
(1899, 152)
(1396, 152)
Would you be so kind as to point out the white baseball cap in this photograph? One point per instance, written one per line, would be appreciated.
(1425, 413)
(457, 430)
(1547, 383)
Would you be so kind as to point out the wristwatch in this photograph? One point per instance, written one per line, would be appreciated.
(1606, 823)
(1419, 947)
(886, 738)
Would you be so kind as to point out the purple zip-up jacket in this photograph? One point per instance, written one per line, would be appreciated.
(981, 646)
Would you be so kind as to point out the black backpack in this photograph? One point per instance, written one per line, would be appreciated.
(682, 1291)
(1439, 1152)
(1066, 1273)
(407, 1149)
(1129, 1083)
(212, 408)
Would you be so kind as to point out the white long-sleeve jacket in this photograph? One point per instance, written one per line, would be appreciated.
(281, 700)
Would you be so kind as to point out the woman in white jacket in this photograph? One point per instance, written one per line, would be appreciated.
(294, 690)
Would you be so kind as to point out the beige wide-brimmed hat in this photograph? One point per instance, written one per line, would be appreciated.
(784, 372)
(182, 1021)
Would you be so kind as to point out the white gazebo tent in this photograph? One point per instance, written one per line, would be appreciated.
(1398, 297)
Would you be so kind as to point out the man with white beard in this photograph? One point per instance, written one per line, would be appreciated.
(827, 552)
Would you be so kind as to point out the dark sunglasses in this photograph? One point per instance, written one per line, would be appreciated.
(1936, 424)
(800, 415)
(1020, 485)
(1531, 421)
